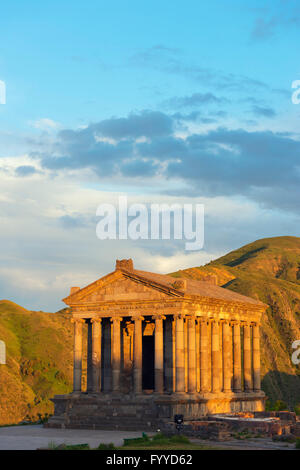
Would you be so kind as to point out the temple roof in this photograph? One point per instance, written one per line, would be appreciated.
(175, 286)
(199, 288)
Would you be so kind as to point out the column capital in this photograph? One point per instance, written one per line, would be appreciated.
(77, 320)
(158, 317)
(116, 319)
(138, 317)
(201, 319)
(180, 316)
(96, 320)
(191, 318)
(211, 320)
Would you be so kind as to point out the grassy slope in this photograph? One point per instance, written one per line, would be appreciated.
(269, 270)
(39, 361)
(39, 345)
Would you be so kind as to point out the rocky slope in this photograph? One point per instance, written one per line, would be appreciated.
(39, 362)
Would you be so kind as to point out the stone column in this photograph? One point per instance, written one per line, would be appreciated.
(179, 354)
(159, 354)
(216, 357)
(197, 355)
(256, 358)
(174, 354)
(89, 365)
(78, 322)
(191, 355)
(227, 355)
(96, 354)
(186, 363)
(137, 354)
(168, 354)
(237, 378)
(203, 356)
(247, 358)
(116, 353)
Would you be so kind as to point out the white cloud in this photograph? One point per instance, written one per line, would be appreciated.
(43, 253)
(45, 124)
(179, 260)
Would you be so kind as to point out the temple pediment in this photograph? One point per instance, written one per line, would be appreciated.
(121, 286)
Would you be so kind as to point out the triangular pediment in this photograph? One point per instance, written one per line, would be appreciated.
(121, 286)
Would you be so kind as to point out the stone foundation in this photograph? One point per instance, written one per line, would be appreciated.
(223, 427)
(142, 412)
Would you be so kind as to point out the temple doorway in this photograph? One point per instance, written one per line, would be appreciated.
(148, 363)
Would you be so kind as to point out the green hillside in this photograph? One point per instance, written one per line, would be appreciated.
(39, 361)
(40, 345)
(268, 270)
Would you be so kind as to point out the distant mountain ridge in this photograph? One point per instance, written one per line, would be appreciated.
(268, 270)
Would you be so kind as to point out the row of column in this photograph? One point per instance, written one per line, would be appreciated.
(191, 355)
(226, 357)
(94, 354)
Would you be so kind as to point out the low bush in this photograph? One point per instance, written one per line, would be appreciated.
(144, 440)
(279, 405)
(109, 446)
(180, 439)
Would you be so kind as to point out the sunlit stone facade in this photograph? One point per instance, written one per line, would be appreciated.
(152, 346)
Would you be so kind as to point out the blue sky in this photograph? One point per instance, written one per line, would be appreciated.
(191, 102)
(76, 62)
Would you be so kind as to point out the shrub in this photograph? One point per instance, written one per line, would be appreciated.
(298, 443)
(180, 439)
(280, 406)
(269, 406)
(106, 446)
(137, 441)
(160, 439)
(65, 446)
(159, 436)
(297, 409)
(77, 447)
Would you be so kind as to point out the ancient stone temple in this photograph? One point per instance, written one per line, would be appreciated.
(148, 346)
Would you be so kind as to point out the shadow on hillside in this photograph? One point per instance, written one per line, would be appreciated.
(282, 386)
(227, 284)
(244, 257)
